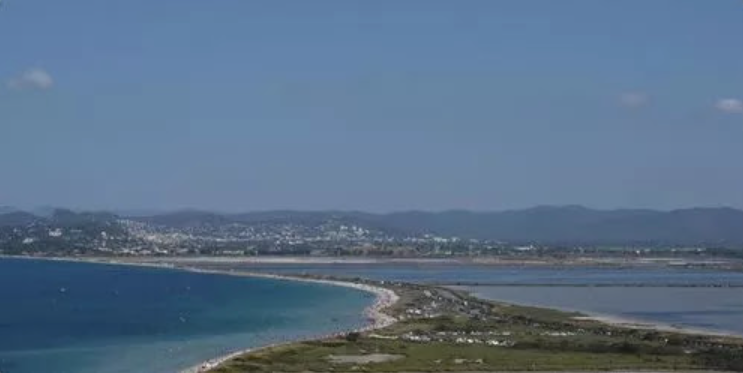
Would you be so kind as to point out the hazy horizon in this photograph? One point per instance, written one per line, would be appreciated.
(371, 105)
(154, 211)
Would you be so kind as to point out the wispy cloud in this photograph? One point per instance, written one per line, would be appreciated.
(730, 105)
(34, 79)
(634, 99)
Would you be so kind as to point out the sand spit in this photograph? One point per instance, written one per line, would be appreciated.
(374, 313)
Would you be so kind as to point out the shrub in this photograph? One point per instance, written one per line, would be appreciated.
(353, 336)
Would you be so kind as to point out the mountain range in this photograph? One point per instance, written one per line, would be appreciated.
(569, 225)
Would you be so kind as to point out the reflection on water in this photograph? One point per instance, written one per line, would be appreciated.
(709, 308)
(92, 318)
(452, 273)
(702, 307)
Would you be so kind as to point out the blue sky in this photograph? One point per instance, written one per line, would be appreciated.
(374, 105)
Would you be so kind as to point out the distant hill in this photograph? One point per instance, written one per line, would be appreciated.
(71, 218)
(186, 219)
(17, 218)
(544, 224)
(579, 225)
(7, 209)
(569, 225)
(61, 218)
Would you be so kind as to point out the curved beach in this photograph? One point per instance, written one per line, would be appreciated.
(373, 313)
(378, 319)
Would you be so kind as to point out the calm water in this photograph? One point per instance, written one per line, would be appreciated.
(700, 307)
(74, 317)
(452, 273)
(707, 308)
(85, 318)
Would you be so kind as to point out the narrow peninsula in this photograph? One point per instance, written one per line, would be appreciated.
(425, 328)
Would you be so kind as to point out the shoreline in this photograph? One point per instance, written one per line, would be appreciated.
(384, 298)
(580, 262)
(626, 322)
(374, 313)
(617, 320)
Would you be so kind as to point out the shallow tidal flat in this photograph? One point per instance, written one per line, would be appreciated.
(702, 308)
(691, 298)
(453, 273)
(445, 330)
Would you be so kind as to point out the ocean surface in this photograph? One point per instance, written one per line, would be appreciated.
(675, 296)
(67, 317)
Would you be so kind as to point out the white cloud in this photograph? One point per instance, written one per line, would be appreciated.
(730, 105)
(34, 78)
(634, 99)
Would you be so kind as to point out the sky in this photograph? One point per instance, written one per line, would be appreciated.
(381, 105)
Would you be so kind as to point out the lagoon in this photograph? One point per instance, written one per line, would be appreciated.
(715, 309)
(692, 298)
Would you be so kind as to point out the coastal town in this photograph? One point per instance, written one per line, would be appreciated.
(371, 186)
(315, 235)
(412, 327)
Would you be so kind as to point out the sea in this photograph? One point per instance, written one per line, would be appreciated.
(68, 317)
(683, 297)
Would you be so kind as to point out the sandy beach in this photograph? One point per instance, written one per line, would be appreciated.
(657, 326)
(190, 260)
(378, 319)
(384, 298)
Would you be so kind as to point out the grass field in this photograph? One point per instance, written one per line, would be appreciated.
(441, 330)
(443, 357)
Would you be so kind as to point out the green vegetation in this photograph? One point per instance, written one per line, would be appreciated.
(444, 330)
(312, 356)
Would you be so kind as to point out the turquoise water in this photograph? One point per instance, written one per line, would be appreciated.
(91, 318)
(67, 317)
(665, 299)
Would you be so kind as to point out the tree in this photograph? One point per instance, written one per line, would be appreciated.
(353, 336)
